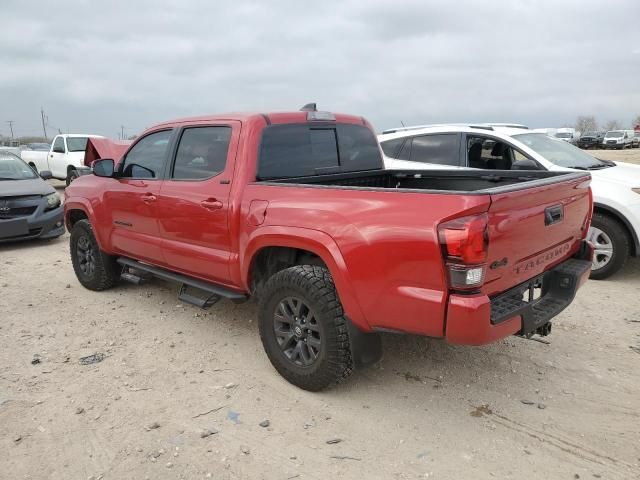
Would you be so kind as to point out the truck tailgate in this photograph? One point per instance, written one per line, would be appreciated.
(534, 228)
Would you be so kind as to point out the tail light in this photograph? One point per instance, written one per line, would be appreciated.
(464, 242)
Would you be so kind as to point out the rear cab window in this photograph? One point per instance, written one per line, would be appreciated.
(299, 150)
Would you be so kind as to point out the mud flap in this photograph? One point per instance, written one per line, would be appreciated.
(366, 348)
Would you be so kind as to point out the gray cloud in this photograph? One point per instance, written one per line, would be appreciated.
(137, 63)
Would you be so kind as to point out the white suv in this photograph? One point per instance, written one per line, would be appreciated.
(616, 186)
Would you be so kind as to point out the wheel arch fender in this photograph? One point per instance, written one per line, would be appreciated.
(79, 204)
(635, 242)
(313, 241)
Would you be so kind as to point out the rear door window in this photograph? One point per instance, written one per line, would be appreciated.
(202, 153)
(441, 149)
(299, 150)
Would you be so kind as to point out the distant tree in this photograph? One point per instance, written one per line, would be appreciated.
(612, 125)
(636, 121)
(586, 123)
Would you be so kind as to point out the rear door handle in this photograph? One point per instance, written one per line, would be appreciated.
(149, 198)
(211, 204)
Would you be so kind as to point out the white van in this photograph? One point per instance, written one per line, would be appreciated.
(618, 139)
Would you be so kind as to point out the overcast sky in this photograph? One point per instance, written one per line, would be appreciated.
(135, 63)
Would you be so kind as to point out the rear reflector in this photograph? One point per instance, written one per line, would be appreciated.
(464, 243)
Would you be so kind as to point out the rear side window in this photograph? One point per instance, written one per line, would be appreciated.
(391, 148)
(147, 158)
(300, 150)
(202, 153)
(441, 149)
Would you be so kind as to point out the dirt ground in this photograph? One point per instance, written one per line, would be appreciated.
(181, 392)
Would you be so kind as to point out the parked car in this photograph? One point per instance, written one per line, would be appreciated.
(617, 139)
(616, 186)
(591, 140)
(297, 210)
(567, 134)
(29, 206)
(635, 141)
(65, 158)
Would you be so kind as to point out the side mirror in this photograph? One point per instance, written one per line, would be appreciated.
(104, 167)
(46, 175)
(526, 164)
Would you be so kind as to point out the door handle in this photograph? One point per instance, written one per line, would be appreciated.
(211, 204)
(149, 198)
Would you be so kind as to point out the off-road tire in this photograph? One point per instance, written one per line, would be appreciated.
(106, 271)
(621, 245)
(314, 285)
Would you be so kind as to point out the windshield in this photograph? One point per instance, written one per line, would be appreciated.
(559, 152)
(615, 134)
(563, 135)
(77, 144)
(13, 168)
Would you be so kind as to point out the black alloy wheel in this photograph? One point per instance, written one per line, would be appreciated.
(297, 331)
(86, 256)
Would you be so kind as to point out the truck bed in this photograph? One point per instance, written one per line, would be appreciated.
(440, 181)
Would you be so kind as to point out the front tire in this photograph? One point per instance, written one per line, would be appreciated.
(611, 246)
(72, 174)
(94, 269)
(303, 328)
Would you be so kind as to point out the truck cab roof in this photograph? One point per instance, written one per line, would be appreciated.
(268, 117)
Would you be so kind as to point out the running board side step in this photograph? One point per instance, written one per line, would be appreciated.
(210, 292)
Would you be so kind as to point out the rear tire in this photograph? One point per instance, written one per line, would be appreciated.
(94, 269)
(611, 241)
(303, 328)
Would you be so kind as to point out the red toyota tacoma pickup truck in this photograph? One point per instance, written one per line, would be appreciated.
(296, 210)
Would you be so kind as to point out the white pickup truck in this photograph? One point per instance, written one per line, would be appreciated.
(64, 159)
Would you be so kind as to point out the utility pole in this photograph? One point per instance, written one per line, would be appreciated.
(44, 128)
(122, 130)
(10, 122)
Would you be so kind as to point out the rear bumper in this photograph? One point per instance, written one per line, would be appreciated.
(478, 320)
